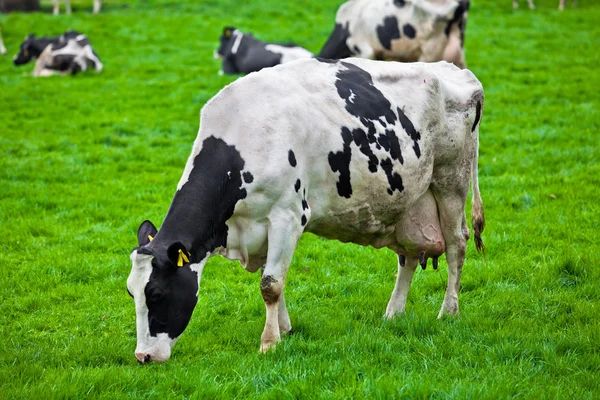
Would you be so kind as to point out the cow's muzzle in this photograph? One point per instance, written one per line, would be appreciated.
(143, 358)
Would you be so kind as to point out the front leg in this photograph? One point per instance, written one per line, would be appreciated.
(55, 7)
(284, 232)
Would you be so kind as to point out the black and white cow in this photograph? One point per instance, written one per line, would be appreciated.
(362, 151)
(2, 47)
(242, 53)
(401, 30)
(70, 52)
(56, 6)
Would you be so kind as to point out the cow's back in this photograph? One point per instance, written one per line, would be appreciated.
(351, 145)
(405, 31)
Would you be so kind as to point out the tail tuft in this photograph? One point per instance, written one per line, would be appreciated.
(478, 225)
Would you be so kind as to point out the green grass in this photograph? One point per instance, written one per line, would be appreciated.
(84, 159)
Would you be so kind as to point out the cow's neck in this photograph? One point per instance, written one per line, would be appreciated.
(202, 205)
(40, 44)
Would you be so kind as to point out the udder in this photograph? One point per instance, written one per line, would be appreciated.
(419, 233)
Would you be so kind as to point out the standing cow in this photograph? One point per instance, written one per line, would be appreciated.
(561, 4)
(56, 6)
(242, 53)
(401, 30)
(362, 151)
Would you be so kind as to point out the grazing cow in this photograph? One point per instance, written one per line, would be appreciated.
(70, 52)
(561, 4)
(401, 30)
(56, 6)
(2, 48)
(242, 53)
(363, 151)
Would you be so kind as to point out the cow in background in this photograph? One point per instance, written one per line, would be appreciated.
(561, 4)
(32, 47)
(2, 47)
(401, 30)
(70, 52)
(56, 6)
(241, 53)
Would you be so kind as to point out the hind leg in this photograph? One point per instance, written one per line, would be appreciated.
(397, 302)
(283, 234)
(451, 216)
(451, 200)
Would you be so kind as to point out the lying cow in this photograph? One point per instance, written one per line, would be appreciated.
(401, 30)
(2, 48)
(242, 53)
(70, 52)
(561, 4)
(56, 6)
(362, 151)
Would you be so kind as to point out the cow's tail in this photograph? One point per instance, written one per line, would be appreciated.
(477, 207)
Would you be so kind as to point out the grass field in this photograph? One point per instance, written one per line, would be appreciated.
(85, 159)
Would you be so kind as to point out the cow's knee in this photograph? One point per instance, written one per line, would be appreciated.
(270, 288)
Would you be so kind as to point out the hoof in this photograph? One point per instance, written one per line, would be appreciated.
(265, 347)
(448, 310)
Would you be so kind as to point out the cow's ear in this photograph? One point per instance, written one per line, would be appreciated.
(178, 254)
(146, 233)
(227, 31)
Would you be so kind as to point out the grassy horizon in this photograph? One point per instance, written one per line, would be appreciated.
(85, 159)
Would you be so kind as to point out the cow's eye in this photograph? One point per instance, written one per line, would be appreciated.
(156, 296)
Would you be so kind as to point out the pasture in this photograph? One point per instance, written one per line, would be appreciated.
(85, 159)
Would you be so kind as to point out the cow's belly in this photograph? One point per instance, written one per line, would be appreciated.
(406, 230)
(371, 215)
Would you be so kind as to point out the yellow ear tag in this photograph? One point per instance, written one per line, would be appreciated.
(182, 257)
(150, 237)
(227, 33)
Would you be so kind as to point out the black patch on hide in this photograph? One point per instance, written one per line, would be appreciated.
(248, 178)
(409, 31)
(292, 158)
(388, 32)
(336, 47)
(369, 104)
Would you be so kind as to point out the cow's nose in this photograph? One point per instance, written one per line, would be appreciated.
(143, 357)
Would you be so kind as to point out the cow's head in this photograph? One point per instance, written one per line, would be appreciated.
(226, 41)
(164, 286)
(26, 52)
